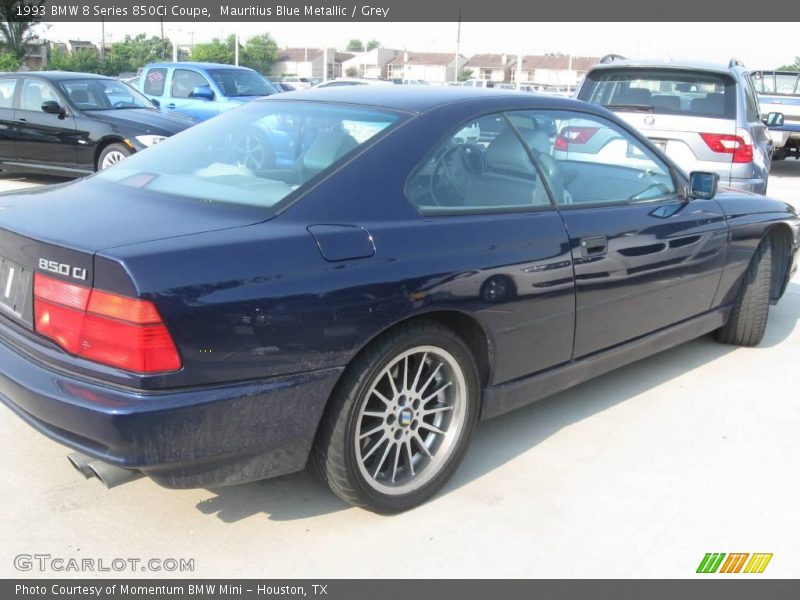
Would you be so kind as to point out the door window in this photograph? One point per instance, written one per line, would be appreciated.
(7, 89)
(34, 93)
(481, 167)
(184, 82)
(588, 159)
(154, 82)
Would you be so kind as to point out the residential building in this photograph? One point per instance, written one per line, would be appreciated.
(492, 67)
(371, 64)
(557, 69)
(36, 53)
(434, 67)
(309, 62)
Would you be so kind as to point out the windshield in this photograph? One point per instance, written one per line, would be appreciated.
(103, 94)
(241, 82)
(662, 91)
(255, 155)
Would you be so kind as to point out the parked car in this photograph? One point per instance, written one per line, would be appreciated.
(202, 90)
(705, 117)
(297, 83)
(779, 93)
(351, 81)
(72, 124)
(363, 306)
(478, 83)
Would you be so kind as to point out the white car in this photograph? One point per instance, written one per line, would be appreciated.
(298, 83)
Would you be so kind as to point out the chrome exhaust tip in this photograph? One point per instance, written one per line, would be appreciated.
(112, 476)
(81, 464)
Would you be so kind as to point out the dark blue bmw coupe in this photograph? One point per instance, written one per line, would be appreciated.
(354, 277)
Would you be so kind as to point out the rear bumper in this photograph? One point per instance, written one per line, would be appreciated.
(189, 438)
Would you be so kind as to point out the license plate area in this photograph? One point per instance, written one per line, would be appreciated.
(16, 292)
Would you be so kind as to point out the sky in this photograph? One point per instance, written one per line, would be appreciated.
(758, 45)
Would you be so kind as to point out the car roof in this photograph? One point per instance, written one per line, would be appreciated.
(60, 75)
(423, 98)
(194, 65)
(691, 65)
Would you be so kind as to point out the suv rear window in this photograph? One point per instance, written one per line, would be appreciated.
(662, 91)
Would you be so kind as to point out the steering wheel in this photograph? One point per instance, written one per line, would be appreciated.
(254, 151)
(450, 170)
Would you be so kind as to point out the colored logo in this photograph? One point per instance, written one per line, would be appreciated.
(719, 562)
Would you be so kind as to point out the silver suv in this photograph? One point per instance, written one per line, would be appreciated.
(705, 117)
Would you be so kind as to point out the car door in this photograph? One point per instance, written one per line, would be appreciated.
(491, 215)
(44, 138)
(644, 258)
(182, 84)
(8, 88)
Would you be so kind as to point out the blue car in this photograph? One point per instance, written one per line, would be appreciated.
(202, 90)
(425, 258)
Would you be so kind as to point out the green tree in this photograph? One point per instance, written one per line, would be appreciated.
(83, 60)
(8, 62)
(795, 66)
(15, 33)
(351, 72)
(259, 53)
(134, 52)
(217, 51)
(372, 44)
(355, 46)
(465, 74)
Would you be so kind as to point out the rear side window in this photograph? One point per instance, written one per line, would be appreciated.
(184, 82)
(154, 82)
(786, 83)
(7, 88)
(662, 91)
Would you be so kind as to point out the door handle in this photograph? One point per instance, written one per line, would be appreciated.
(594, 246)
(22, 120)
(171, 105)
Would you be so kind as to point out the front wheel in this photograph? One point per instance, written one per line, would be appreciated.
(400, 420)
(748, 320)
(111, 155)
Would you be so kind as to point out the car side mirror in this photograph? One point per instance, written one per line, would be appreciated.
(202, 91)
(155, 102)
(703, 185)
(774, 119)
(52, 107)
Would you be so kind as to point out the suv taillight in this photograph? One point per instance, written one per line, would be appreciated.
(729, 144)
(103, 327)
(573, 135)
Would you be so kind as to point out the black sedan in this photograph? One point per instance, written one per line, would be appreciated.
(352, 278)
(72, 124)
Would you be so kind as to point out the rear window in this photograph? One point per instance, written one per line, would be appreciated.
(662, 91)
(256, 155)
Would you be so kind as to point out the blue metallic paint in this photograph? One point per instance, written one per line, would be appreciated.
(267, 310)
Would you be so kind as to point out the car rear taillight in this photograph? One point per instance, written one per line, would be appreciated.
(107, 328)
(729, 144)
(573, 135)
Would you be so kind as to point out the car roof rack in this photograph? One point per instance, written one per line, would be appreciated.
(735, 62)
(609, 58)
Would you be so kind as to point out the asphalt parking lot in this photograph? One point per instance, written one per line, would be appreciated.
(637, 473)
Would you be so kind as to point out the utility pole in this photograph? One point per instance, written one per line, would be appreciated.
(102, 38)
(458, 49)
(236, 49)
(519, 57)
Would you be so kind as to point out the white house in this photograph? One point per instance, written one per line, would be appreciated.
(435, 67)
(560, 69)
(309, 62)
(370, 64)
(492, 67)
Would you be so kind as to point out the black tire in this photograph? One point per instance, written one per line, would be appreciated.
(114, 149)
(748, 319)
(334, 456)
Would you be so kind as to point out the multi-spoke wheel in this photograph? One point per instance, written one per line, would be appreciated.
(111, 155)
(400, 420)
